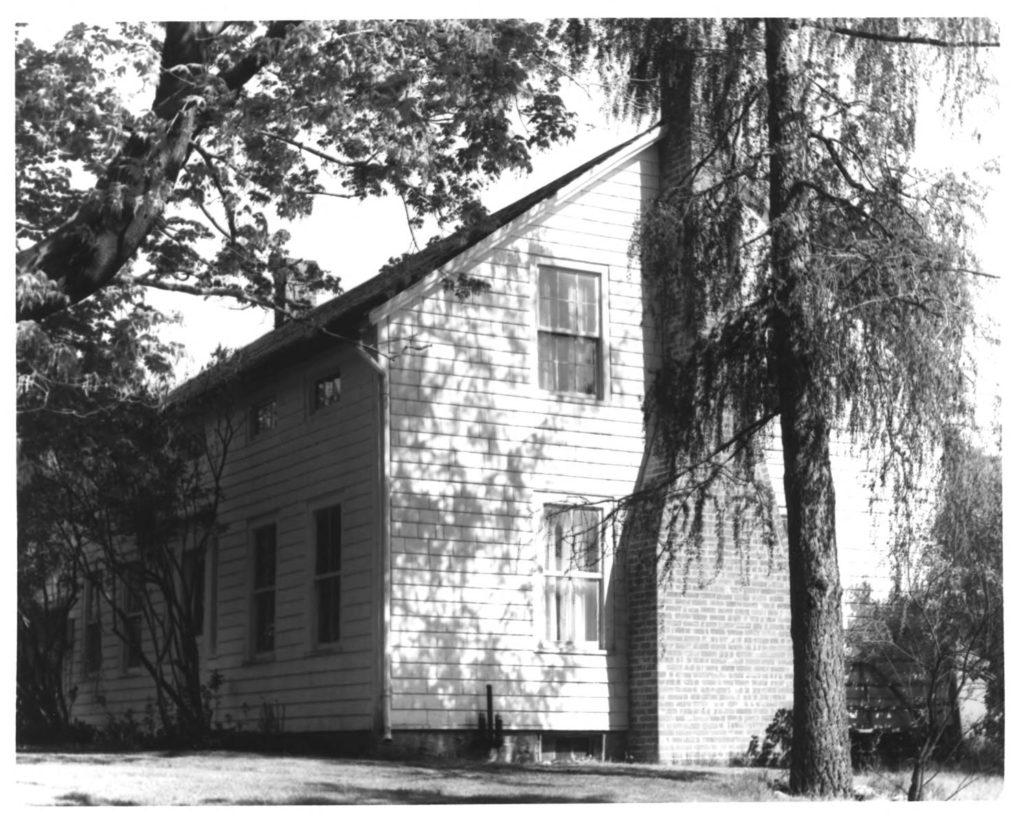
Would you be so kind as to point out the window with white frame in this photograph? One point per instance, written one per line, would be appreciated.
(327, 580)
(573, 579)
(264, 588)
(569, 331)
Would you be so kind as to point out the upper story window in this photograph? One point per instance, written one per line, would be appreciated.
(569, 331)
(326, 391)
(327, 582)
(264, 417)
(264, 588)
(573, 579)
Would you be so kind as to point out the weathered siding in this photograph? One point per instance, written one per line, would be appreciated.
(477, 448)
(310, 460)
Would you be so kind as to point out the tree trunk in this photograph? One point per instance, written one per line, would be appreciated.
(87, 251)
(820, 762)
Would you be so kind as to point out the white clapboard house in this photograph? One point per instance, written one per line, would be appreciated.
(412, 519)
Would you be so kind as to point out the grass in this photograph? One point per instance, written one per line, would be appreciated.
(943, 785)
(157, 779)
(233, 778)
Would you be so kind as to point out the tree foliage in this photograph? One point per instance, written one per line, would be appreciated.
(938, 637)
(120, 500)
(804, 270)
(251, 122)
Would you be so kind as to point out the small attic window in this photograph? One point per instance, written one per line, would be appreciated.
(326, 390)
(264, 417)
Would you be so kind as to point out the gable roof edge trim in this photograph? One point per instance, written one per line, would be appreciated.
(475, 253)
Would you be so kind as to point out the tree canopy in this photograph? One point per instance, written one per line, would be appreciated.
(251, 118)
(804, 274)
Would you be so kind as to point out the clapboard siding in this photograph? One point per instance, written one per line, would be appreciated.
(477, 447)
(308, 461)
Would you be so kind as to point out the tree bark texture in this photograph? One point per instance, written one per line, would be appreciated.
(820, 762)
(86, 252)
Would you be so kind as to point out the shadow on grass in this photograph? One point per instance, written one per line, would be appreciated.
(405, 797)
(490, 770)
(83, 799)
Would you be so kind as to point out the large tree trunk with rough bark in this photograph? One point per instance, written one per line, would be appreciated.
(85, 253)
(820, 762)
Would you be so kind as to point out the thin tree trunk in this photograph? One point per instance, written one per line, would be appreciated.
(820, 762)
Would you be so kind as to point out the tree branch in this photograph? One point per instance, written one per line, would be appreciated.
(902, 39)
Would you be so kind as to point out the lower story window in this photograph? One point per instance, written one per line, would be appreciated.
(92, 642)
(264, 590)
(134, 588)
(573, 580)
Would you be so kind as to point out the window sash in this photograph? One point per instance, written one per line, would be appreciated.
(92, 636)
(328, 606)
(326, 391)
(264, 582)
(193, 570)
(569, 331)
(264, 417)
(263, 621)
(327, 574)
(573, 578)
(133, 641)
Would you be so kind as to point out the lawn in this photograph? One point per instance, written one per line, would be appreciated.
(231, 778)
(242, 778)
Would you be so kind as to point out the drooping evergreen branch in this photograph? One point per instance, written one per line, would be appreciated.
(896, 39)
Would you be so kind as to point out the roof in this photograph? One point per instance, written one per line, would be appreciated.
(346, 312)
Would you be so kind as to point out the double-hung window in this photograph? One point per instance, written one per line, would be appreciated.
(573, 580)
(264, 588)
(569, 331)
(327, 581)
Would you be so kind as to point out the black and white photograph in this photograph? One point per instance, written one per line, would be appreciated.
(444, 409)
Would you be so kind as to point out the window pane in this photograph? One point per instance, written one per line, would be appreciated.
(263, 616)
(93, 647)
(547, 298)
(564, 375)
(328, 540)
(588, 304)
(327, 391)
(546, 343)
(328, 600)
(265, 557)
(194, 572)
(133, 647)
(572, 582)
(588, 599)
(264, 417)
